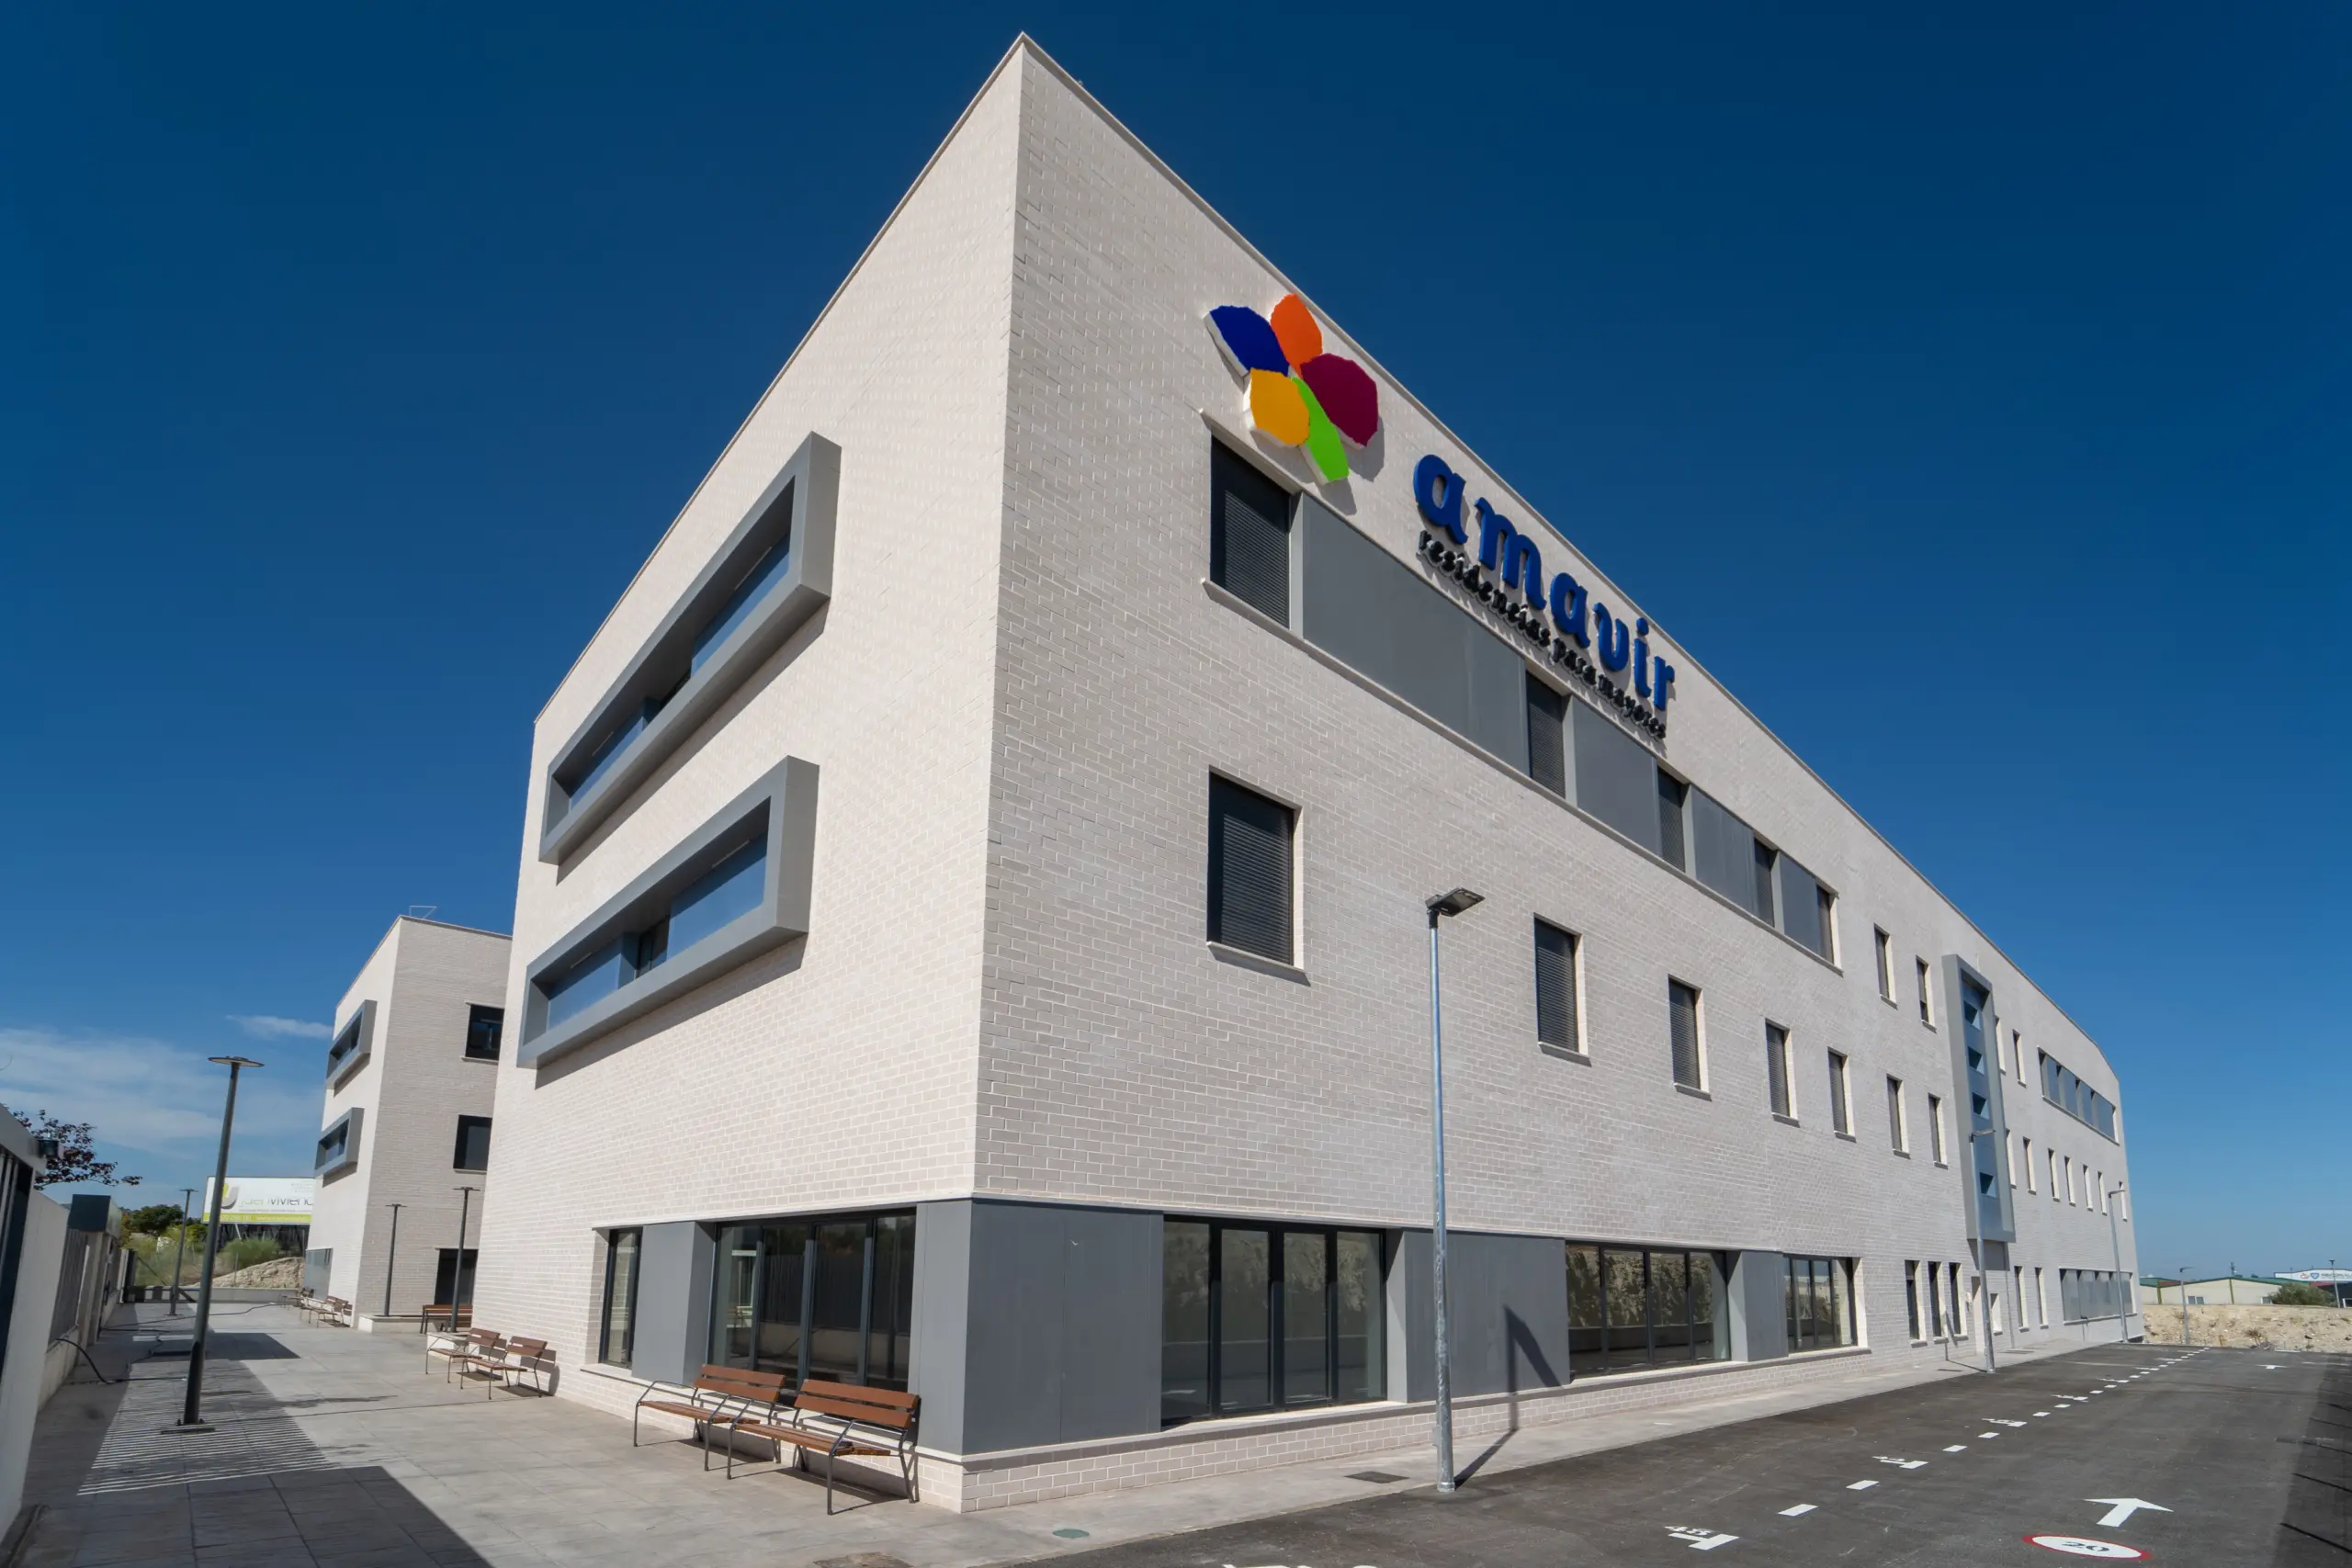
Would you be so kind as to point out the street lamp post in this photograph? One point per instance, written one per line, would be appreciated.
(2113, 1240)
(458, 1274)
(192, 1412)
(1440, 907)
(179, 1257)
(392, 1252)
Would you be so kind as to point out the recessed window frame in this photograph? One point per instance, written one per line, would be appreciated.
(1574, 1045)
(354, 1043)
(624, 1264)
(468, 1125)
(796, 508)
(1697, 1035)
(478, 1015)
(1885, 945)
(1780, 1072)
(1841, 1094)
(1927, 992)
(1936, 1126)
(1899, 1121)
(783, 804)
(343, 1134)
(1213, 927)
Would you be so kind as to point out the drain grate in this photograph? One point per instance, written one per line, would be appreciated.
(1377, 1477)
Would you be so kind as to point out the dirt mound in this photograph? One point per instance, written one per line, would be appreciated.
(278, 1274)
(2266, 1327)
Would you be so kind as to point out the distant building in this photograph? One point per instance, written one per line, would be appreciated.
(2228, 1289)
(2336, 1282)
(412, 1076)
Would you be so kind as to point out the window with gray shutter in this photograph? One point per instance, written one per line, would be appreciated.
(1671, 794)
(1804, 906)
(1555, 987)
(1248, 535)
(1776, 1068)
(1682, 1012)
(1547, 726)
(1249, 872)
(1723, 852)
(1616, 777)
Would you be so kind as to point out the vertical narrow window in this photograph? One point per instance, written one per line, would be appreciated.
(2025, 1157)
(1776, 1069)
(2016, 1053)
(1682, 1015)
(1183, 1321)
(473, 1144)
(1911, 1298)
(616, 1339)
(1361, 1314)
(1935, 1305)
(1896, 1132)
(1840, 1113)
(1673, 801)
(1548, 736)
(483, 1027)
(2009, 1156)
(2069, 1166)
(1555, 987)
(1927, 1014)
(1958, 1319)
(1249, 872)
(1828, 903)
(2057, 1193)
(1886, 962)
(1765, 856)
(1936, 1126)
(1248, 535)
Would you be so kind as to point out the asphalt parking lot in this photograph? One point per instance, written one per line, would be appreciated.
(2119, 1452)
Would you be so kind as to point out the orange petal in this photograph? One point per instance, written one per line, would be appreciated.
(1276, 408)
(1295, 329)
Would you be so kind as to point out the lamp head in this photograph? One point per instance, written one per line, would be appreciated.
(235, 1061)
(1453, 903)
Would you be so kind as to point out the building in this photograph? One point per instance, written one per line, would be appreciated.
(410, 1083)
(2228, 1290)
(35, 1240)
(2336, 1282)
(971, 931)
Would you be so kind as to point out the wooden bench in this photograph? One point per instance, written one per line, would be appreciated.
(841, 1420)
(525, 1359)
(719, 1397)
(473, 1347)
(444, 1313)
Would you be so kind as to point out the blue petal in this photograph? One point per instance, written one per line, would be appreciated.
(1249, 340)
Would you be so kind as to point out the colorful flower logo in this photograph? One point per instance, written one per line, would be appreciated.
(1298, 394)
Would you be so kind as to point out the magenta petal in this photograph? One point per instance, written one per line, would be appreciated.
(1347, 394)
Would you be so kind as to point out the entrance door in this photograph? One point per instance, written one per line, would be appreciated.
(449, 1282)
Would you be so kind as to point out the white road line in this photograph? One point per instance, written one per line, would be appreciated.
(1988, 1434)
(1956, 1447)
(1800, 1508)
(1862, 1485)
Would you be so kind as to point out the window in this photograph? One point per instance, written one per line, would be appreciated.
(1630, 1308)
(2076, 1098)
(2026, 1158)
(1807, 910)
(1682, 1027)
(1820, 1303)
(2025, 1303)
(2057, 1193)
(1765, 903)
(1935, 1303)
(354, 1043)
(1840, 1114)
(770, 576)
(2000, 1052)
(1673, 799)
(1547, 729)
(1776, 1069)
(2017, 1053)
(1249, 872)
(829, 1298)
(1896, 1130)
(1927, 1013)
(2009, 1156)
(473, 1144)
(1911, 1299)
(1954, 1316)
(2073, 1195)
(484, 1026)
(1257, 1318)
(1886, 962)
(615, 1338)
(1555, 987)
(1936, 1127)
(339, 1144)
(2042, 1296)
(1249, 519)
(727, 890)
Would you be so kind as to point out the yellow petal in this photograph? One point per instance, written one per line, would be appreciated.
(1276, 408)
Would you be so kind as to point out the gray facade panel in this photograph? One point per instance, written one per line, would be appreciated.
(1758, 1299)
(942, 1294)
(1506, 1312)
(1616, 778)
(673, 1338)
(1367, 609)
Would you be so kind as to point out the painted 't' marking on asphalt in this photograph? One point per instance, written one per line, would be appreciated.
(1800, 1508)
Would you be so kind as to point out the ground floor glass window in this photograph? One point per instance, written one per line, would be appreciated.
(829, 1298)
(614, 1340)
(1820, 1303)
(1257, 1317)
(1630, 1308)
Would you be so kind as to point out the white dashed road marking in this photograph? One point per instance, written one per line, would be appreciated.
(1956, 1447)
(1800, 1508)
(1862, 1485)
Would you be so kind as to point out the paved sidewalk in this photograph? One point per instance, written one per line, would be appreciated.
(339, 1450)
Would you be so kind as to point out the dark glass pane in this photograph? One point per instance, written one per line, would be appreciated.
(838, 1291)
(783, 1276)
(1586, 1353)
(1183, 1321)
(1704, 1322)
(764, 575)
(1670, 1305)
(733, 1298)
(1625, 1298)
(728, 890)
(1799, 1285)
(1362, 1318)
(1306, 1371)
(620, 1297)
(1547, 727)
(586, 983)
(1244, 1349)
(889, 1341)
(1248, 535)
(484, 1026)
(1671, 793)
(1764, 884)
(1249, 872)
(1776, 1067)
(1555, 987)
(1682, 1020)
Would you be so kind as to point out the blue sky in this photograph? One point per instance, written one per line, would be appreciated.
(1964, 387)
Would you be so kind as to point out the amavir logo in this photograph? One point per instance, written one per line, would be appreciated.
(1298, 394)
(1518, 565)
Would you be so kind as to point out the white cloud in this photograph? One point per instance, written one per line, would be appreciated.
(154, 1097)
(264, 1026)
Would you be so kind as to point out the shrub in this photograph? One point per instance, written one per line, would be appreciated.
(246, 1251)
(2295, 1293)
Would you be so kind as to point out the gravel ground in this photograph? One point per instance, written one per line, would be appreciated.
(2271, 1327)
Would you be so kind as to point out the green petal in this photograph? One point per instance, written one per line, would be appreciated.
(1322, 436)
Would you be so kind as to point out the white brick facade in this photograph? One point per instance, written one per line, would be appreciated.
(1017, 695)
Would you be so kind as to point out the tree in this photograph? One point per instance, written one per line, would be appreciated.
(154, 1219)
(75, 1161)
(2295, 1293)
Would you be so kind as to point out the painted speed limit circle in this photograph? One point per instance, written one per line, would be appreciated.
(2083, 1546)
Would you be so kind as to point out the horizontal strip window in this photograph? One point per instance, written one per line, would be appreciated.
(339, 1144)
(829, 1298)
(1257, 1318)
(1630, 1308)
(354, 1043)
(736, 888)
(773, 572)
(1300, 565)
(2076, 1098)
(2085, 1294)
(1820, 1303)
